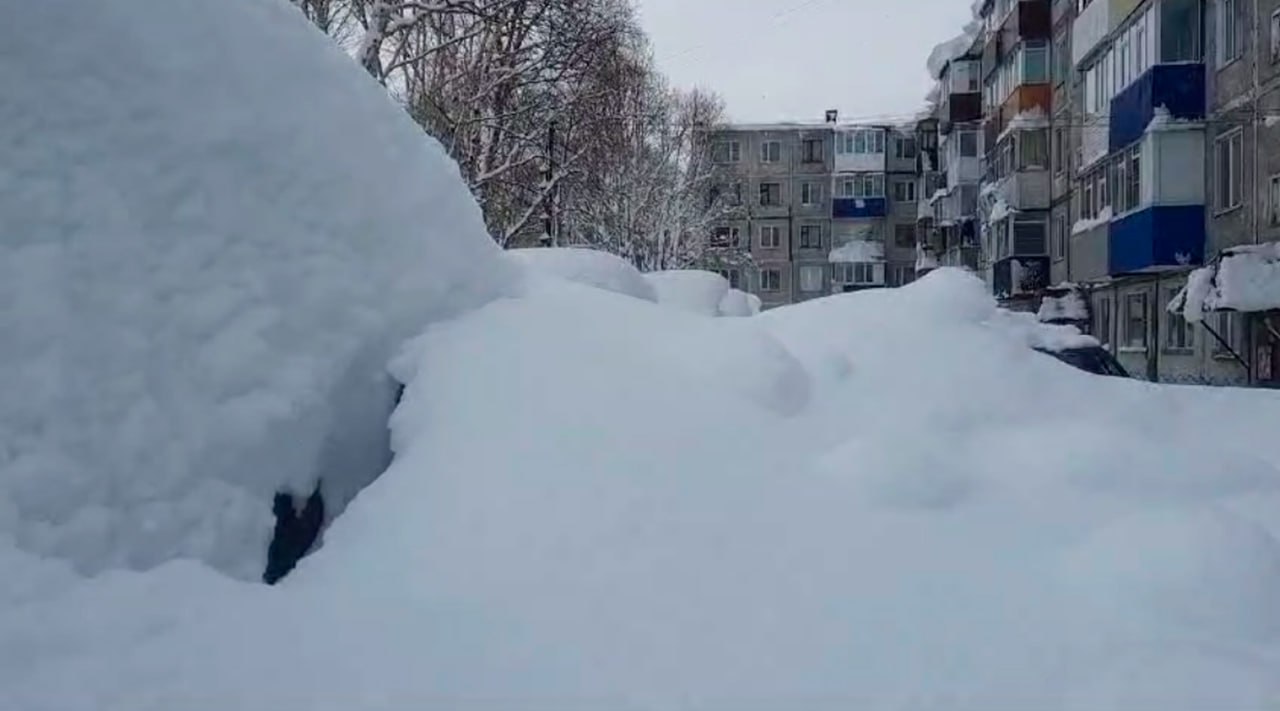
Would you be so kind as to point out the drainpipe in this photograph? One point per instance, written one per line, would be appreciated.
(1257, 119)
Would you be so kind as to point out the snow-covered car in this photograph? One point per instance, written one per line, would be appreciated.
(1091, 359)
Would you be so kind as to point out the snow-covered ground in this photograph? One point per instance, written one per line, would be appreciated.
(880, 500)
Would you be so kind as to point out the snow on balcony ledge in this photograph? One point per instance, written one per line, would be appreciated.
(857, 251)
(1245, 279)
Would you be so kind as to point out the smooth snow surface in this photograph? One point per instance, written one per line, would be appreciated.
(701, 292)
(595, 268)
(1246, 278)
(603, 503)
(214, 230)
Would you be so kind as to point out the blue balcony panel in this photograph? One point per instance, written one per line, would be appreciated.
(1157, 238)
(1033, 275)
(1180, 88)
(859, 207)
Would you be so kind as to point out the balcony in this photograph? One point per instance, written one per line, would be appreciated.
(1090, 28)
(1179, 88)
(852, 208)
(1157, 238)
(1019, 276)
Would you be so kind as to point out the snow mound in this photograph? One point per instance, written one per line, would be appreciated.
(739, 303)
(692, 290)
(586, 481)
(592, 267)
(214, 230)
(701, 292)
(1206, 572)
(1246, 278)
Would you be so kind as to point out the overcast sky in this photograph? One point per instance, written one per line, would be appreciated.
(776, 60)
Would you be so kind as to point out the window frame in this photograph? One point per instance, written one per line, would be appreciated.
(1229, 46)
(765, 283)
(768, 156)
(805, 232)
(1180, 336)
(811, 269)
(1130, 342)
(1235, 170)
(775, 231)
(807, 155)
(764, 185)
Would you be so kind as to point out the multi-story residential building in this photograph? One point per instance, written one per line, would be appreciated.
(1142, 138)
(1016, 188)
(821, 208)
(954, 199)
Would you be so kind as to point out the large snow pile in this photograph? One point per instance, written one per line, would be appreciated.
(1246, 278)
(1063, 303)
(701, 292)
(601, 270)
(875, 500)
(214, 230)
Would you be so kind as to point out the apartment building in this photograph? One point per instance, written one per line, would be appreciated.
(1142, 138)
(950, 179)
(1016, 186)
(819, 208)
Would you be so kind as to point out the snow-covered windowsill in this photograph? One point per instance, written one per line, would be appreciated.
(1133, 349)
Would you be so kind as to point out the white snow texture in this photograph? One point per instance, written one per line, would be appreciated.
(1246, 278)
(219, 237)
(213, 232)
(701, 292)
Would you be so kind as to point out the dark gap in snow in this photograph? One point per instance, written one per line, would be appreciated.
(296, 532)
(298, 529)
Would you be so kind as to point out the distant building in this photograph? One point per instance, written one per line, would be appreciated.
(821, 208)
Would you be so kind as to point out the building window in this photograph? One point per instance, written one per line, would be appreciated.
(900, 275)
(904, 236)
(726, 237)
(810, 193)
(1227, 325)
(854, 273)
(770, 152)
(1228, 169)
(1133, 179)
(810, 236)
(1135, 321)
(904, 147)
(1275, 36)
(1102, 322)
(812, 150)
(1229, 46)
(770, 194)
(770, 236)
(1035, 62)
(770, 280)
(727, 152)
(1273, 200)
(861, 142)
(1059, 236)
(733, 276)
(904, 191)
(1061, 58)
(811, 279)
(968, 144)
(865, 185)
(1059, 151)
(1034, 147)
(1179, 335)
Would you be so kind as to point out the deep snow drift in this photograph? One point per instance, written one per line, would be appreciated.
(882, 500)
(599, 502)
(214, 230)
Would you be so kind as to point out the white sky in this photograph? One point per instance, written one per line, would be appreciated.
(775, 60)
